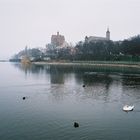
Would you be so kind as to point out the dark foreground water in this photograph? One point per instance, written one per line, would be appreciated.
(55, 99)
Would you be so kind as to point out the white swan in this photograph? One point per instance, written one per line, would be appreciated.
(128, 108)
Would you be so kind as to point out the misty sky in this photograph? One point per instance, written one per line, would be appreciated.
(32, 22)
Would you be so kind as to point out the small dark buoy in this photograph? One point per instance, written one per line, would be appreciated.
(76, 124)
(84, 85)
(23, 98)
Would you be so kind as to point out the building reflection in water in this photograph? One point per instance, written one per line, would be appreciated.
(56, 75)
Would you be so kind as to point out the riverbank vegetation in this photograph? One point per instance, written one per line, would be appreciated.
(127, 50)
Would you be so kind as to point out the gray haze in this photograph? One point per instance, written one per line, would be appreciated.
(32, 22)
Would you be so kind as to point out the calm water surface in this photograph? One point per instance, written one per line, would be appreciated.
(56, 99)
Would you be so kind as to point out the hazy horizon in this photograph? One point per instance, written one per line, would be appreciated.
(32, 22)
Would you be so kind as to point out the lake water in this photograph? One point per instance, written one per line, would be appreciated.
(56, 98)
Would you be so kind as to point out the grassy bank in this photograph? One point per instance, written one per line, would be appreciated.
(92, 63)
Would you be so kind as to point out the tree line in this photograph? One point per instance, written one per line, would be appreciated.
(126, 50)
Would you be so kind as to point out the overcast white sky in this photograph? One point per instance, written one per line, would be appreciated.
(32, 22)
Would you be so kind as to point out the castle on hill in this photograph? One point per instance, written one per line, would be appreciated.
(96, 38)
(57, 40)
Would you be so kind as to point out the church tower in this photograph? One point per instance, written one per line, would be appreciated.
(108, 34)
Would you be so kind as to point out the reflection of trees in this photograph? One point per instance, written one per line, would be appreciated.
(100, 83)
(57, 76)
(28, 68)
(131, 80)
(131, 88)
(97, 78)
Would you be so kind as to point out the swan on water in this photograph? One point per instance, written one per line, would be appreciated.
(128, 108)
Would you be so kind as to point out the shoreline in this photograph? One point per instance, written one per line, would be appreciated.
(96, 63)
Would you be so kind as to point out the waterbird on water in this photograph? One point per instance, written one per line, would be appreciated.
(84, 85)
(24, 98)
(76, 124)
(128, 108)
